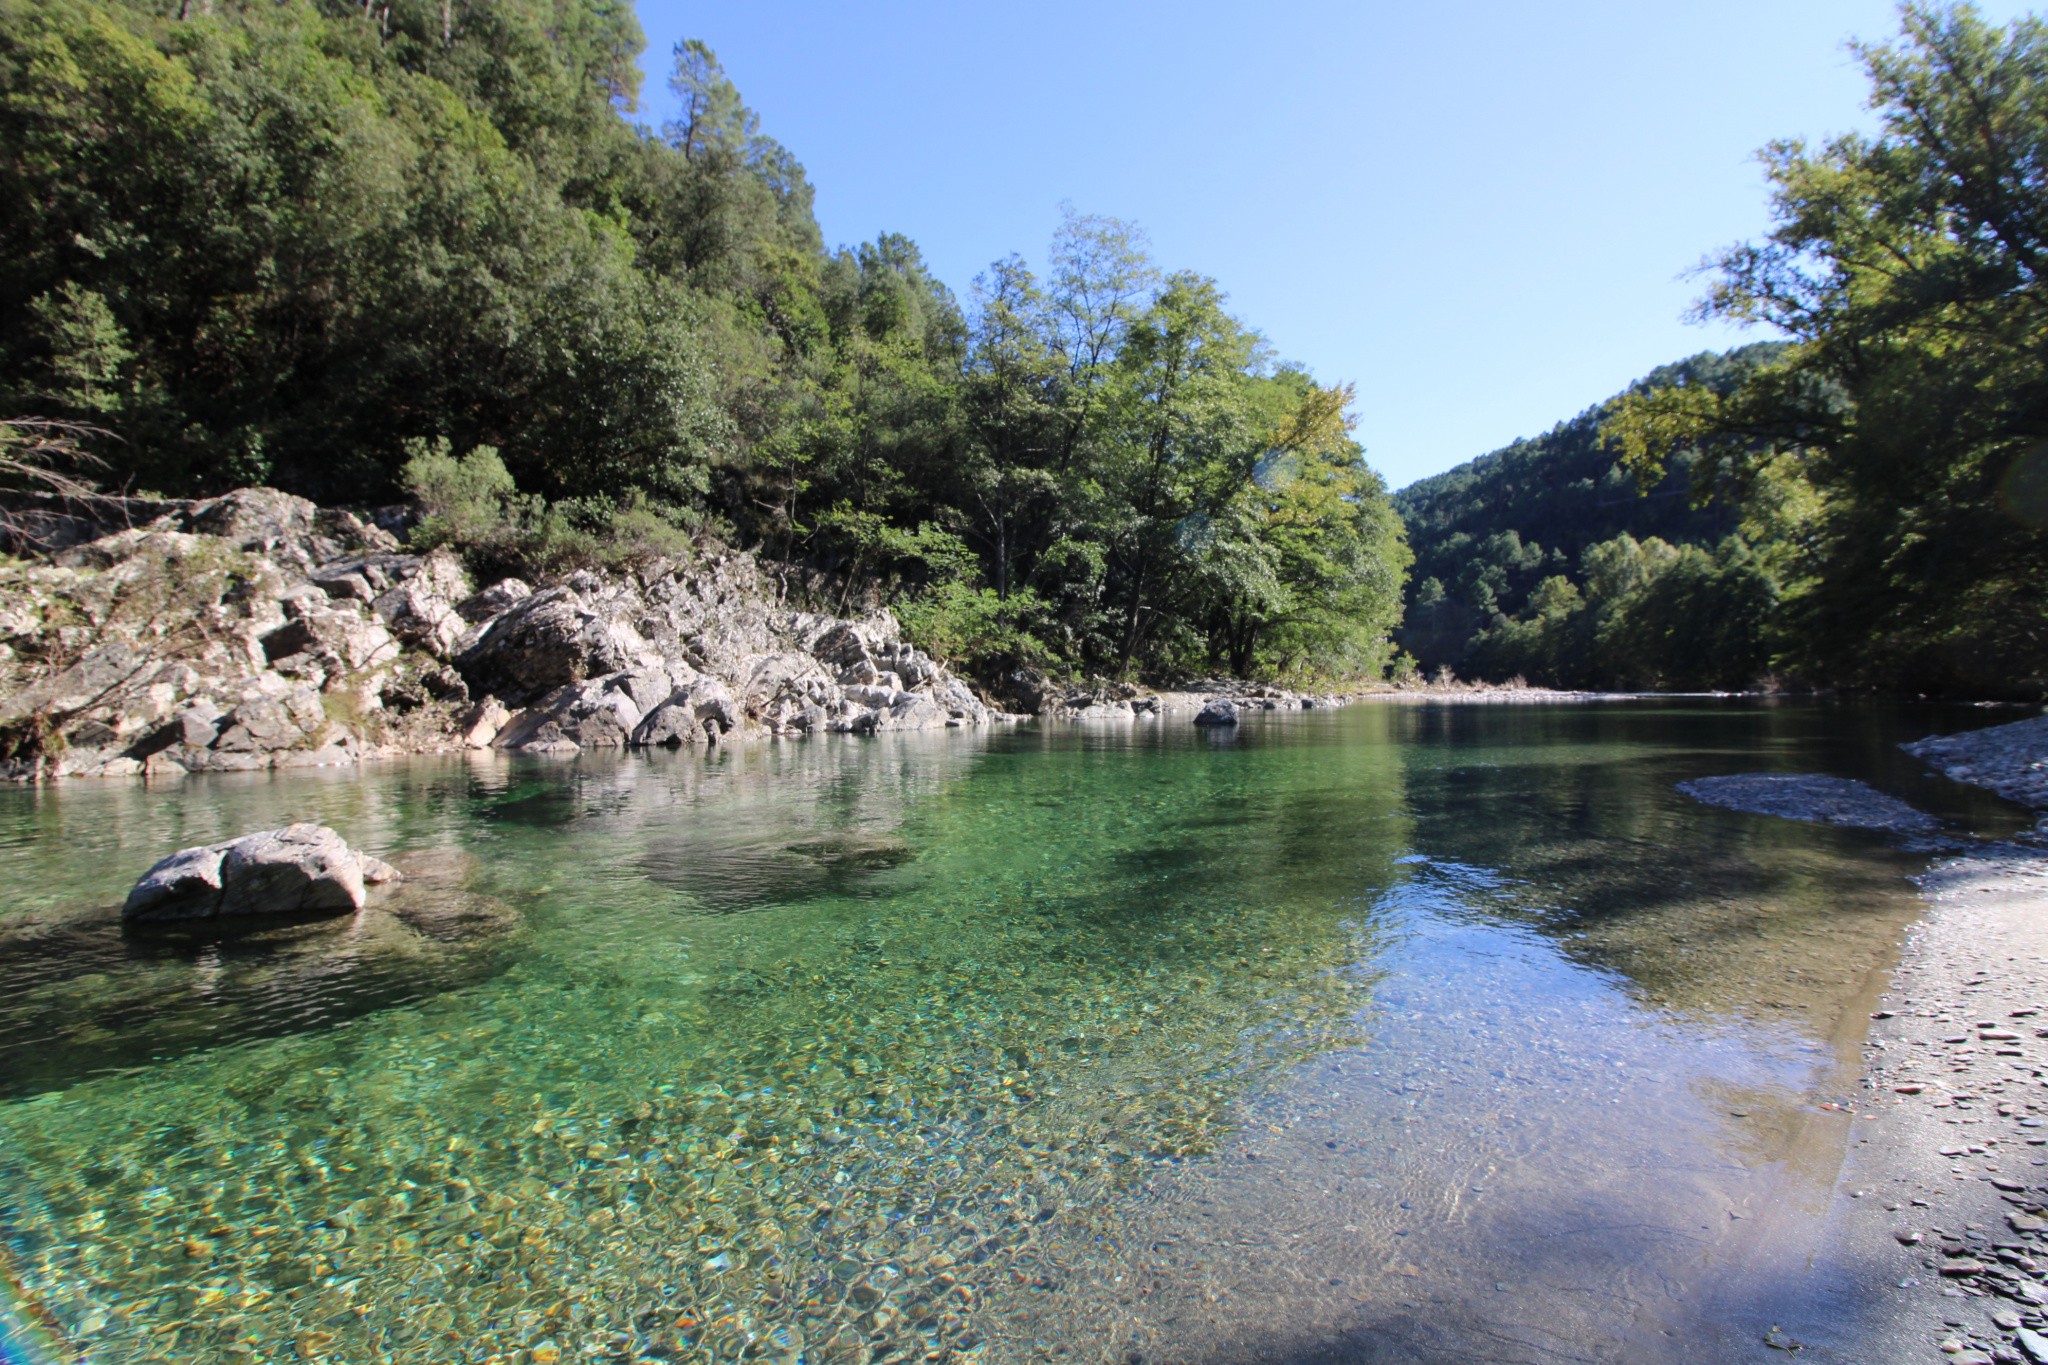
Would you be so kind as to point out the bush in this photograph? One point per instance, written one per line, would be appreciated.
(472, 505)
(974, 629)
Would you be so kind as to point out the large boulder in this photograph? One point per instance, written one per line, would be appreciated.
(787, 692)
(259, 520)
(495, 600)
(301, 869)
(597, 713)
(1220, 712)
(337, 638)
(267, 724)
(545, 641)
(915, 711)
(697, 714)
(414, 595)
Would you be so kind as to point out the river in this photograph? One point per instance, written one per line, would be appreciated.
(1408, 1032)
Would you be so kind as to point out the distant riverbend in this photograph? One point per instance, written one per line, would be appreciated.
(1430, 1033)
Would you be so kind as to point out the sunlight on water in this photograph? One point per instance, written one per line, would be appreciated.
(950, 1047)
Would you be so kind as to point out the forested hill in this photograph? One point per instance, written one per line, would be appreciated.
(363, 251)
(1888, 468)
(1565, 488)
(1487, 534)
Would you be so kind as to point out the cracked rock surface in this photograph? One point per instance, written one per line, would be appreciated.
(256, 630)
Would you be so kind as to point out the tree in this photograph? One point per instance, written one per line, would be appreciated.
(714, 121)
(1186, 438)
(1010, 394)
(1906, 268)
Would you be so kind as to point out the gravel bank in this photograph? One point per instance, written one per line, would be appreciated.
(2011, 760)
(1941, 1219)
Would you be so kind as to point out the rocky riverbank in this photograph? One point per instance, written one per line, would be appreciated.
(255, 630)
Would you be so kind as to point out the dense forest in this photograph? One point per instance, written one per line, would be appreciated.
(1509, 545)
(1868, 501)
(404, 249)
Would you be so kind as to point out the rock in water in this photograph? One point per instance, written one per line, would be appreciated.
(298, 870)
(1221, 711)
(1811, 796)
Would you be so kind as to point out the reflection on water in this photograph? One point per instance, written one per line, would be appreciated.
(1389, 1033)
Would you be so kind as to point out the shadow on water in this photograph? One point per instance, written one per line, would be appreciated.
(86, 995)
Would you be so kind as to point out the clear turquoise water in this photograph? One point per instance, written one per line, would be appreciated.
(1367, 1026)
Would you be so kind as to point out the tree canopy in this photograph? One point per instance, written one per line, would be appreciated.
(1869, 496)
(349, 249)
(1908, 416)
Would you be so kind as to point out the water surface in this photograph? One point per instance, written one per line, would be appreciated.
(1400, 1032)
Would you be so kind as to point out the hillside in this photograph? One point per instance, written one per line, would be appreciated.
(1488, 533)
(336, 250)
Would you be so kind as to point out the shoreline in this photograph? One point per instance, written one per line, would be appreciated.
(1935, 1243)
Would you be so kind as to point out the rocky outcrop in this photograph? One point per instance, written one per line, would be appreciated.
(693, 654)
(2011, 759)
(297, 870)
(1218, 713)
(256, 630)
(1032, 692)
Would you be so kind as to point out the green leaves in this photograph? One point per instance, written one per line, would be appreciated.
(1908, 270)
(328, 246)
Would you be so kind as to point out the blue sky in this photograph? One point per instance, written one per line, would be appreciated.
(1481, 214)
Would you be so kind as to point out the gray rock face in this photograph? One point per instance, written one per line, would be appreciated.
(697, 714)
(1219, 712)
(501, 596)
(255, 519)
(598, 713)
(546, 641)
(811, 674)
(301, 869)
(257, 631)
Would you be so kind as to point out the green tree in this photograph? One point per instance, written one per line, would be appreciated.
(1906, 269)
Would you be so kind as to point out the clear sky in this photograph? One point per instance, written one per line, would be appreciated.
(1482, 214)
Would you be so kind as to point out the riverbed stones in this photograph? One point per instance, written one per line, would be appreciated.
(302, 869)
(2011, 760)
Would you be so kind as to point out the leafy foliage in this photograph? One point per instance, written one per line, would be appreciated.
(1912, 405)
(1500, 539)
(326, 245)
